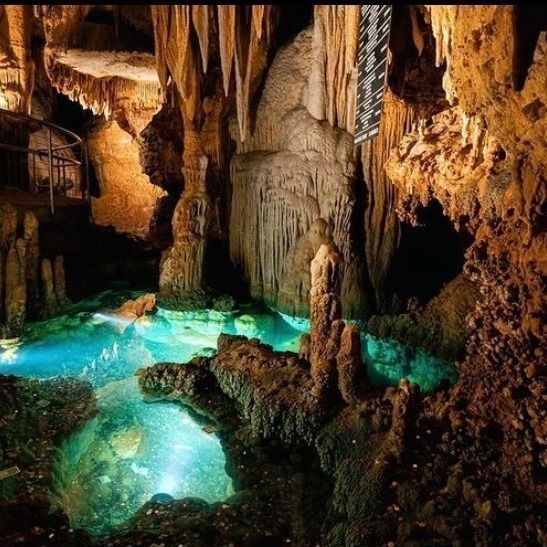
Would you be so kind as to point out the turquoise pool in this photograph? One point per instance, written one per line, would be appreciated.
(133, 450)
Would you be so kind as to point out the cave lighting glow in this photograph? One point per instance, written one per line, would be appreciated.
(132, 449)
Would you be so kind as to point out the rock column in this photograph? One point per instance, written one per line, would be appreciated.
(325, 310)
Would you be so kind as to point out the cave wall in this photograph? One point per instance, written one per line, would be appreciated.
(128, 200)
(16, 65)
(484, 160)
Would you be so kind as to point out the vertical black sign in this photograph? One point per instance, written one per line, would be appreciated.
(371, 70)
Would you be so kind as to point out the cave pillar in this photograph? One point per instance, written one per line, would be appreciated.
(196, 217)
(325, 312)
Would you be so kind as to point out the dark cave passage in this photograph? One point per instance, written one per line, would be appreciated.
(428, 255)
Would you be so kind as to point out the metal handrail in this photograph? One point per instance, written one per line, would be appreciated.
(57, 162)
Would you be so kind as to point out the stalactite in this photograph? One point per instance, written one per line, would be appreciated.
(332, 84)
(381, 222)
(101, 95)
(244, 33)
(226, 37)
(200, 20)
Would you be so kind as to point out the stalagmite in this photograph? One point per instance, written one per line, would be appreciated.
(49, 297)
(15, 291)
(325, 311)
(32, 243)
(349, 363)
(182, 270)
(60, 281)
(404, 406)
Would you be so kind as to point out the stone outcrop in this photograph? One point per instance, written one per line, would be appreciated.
(274, 392)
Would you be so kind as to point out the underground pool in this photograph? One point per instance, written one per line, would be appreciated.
(133, 450)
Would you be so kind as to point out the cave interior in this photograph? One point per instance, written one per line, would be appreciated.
(225, 322)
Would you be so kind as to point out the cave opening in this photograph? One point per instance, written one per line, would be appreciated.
(428, 255)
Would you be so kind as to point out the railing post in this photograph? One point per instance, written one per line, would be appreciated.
(50, 169)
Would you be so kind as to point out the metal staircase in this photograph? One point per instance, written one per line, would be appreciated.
(42, 161)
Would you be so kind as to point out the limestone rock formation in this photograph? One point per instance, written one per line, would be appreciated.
(296, 172)
(28, 288)
(128, 201)
(475, 160)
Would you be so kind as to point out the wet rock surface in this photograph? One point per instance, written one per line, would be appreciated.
(33, 414)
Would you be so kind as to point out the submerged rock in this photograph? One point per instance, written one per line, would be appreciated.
(126, 443)
(161, 498)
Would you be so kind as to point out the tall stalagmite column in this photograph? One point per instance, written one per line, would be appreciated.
(325, 313)
(203, 70)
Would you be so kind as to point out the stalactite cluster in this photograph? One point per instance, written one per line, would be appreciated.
(105, 95)
(185, 42)
(333, 77)
(381, 221)
(184, 52)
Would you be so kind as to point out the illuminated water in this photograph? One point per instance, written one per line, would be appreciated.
(133, 450)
